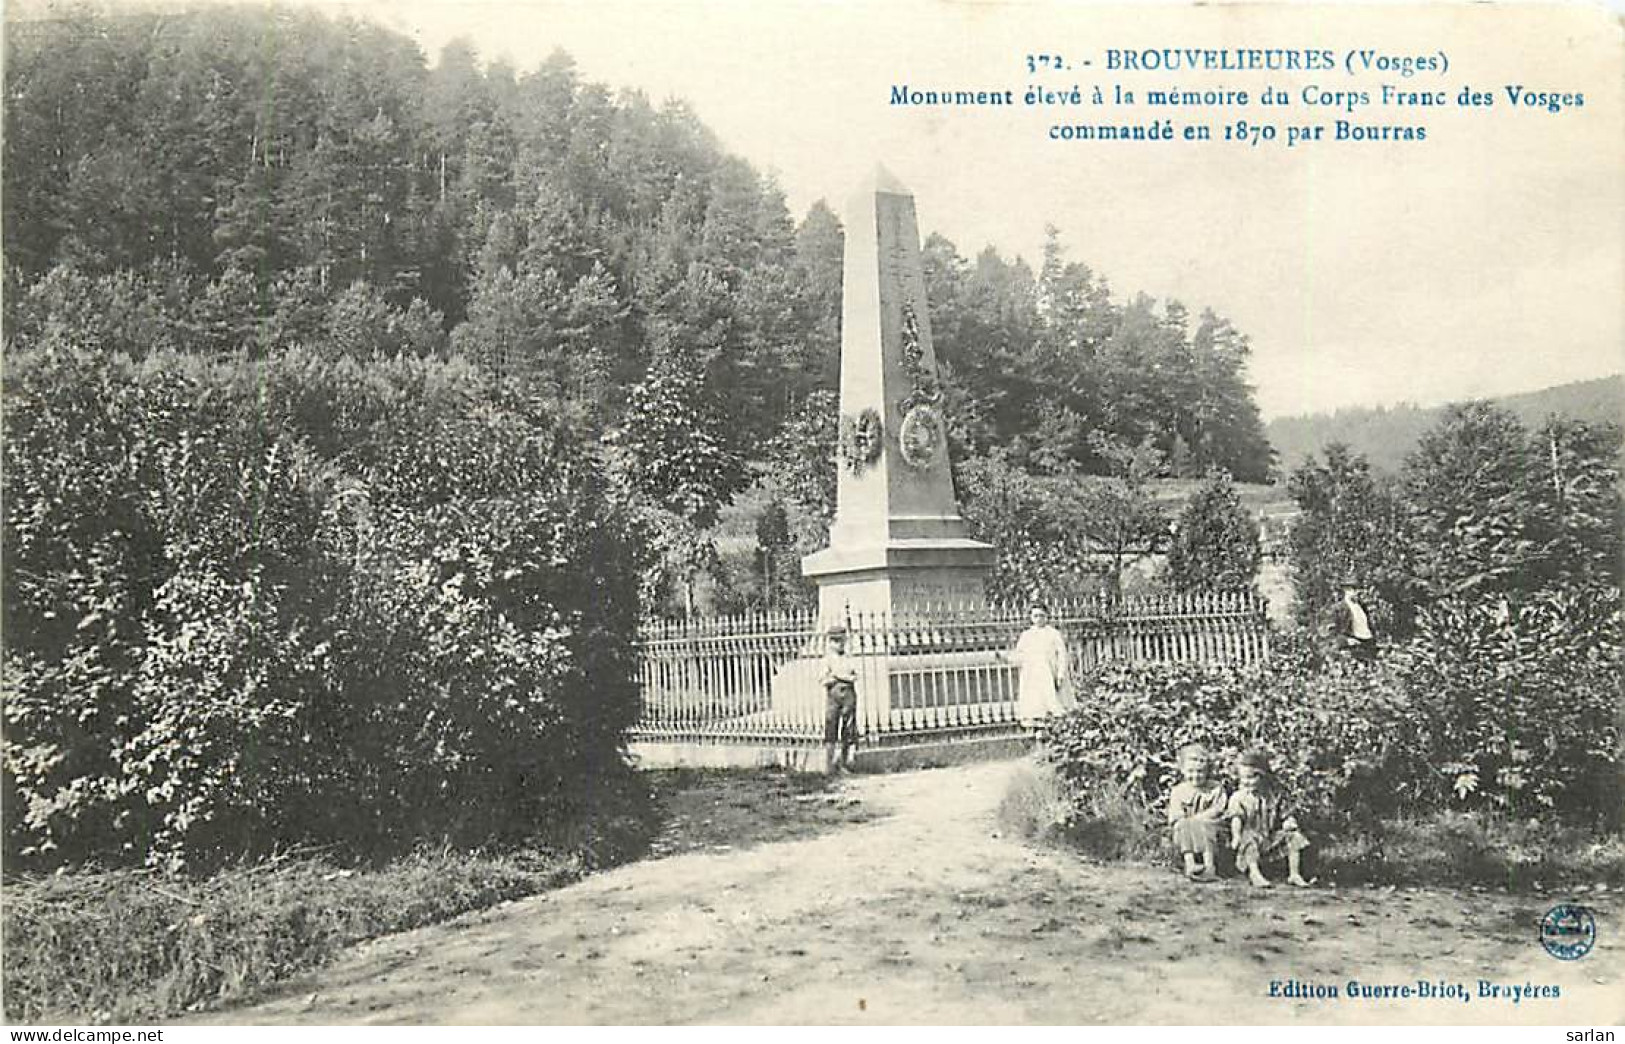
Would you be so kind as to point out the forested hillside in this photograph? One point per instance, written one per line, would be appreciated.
(251, 179)
(353, 396)
(1385, 435)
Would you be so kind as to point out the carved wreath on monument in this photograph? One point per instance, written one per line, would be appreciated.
(920, 435)
(860, 439)
(921, 430)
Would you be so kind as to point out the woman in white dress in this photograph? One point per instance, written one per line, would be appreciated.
(1045, 682)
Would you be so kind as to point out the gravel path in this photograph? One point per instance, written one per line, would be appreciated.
(926, 915)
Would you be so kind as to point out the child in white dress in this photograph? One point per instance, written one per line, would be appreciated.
(1044, 684)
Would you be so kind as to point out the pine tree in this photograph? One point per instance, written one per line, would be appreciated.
(1215, 546)
(1466, 491)
(1351, 529)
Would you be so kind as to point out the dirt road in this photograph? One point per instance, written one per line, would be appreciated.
(924, 914)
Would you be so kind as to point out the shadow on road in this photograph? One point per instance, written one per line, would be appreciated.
(719, 811)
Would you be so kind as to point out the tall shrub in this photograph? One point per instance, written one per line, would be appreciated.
(1215, 546)
(1342, 741)
(1352, 528)
(1497, 510)
(1484, 709)
(303, 599)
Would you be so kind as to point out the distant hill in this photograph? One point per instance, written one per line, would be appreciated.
(1386, 434)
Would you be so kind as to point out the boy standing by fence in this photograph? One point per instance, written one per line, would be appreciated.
(840, 680)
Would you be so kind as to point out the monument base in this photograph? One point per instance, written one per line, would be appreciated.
(918, 753)
(899, 576)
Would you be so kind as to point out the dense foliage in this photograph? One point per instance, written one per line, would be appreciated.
(1521, 704)
(1049, 368)
(308, 347)
(249, 604)
(1061, 537)
(1490, 568)
(1337, 736)
(1352, 528)
(1216, 545)
(1485, 512)
(1515, 717)
(1498, 511)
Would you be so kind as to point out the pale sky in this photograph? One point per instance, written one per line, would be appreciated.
(1488, 259)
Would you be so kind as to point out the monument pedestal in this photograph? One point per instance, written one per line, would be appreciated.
(898, 576)
(898, 543)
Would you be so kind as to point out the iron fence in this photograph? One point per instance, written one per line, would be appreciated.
(932, 671)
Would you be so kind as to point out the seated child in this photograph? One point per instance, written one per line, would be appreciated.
(1195, 807)
(1260, 826)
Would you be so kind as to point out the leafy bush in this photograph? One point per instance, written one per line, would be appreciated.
(303, 599)
(1339, 737)
(1521, 702)
(1488, 709)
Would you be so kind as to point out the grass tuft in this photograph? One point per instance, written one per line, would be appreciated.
(1109, 825)
(128, 946)
(1035, 808)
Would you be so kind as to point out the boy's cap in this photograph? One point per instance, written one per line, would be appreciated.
(1257, 759)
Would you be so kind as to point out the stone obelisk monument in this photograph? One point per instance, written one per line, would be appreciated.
(898, 542)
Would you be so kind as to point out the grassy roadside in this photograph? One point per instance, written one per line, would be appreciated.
(133, 946)
(129, 946)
